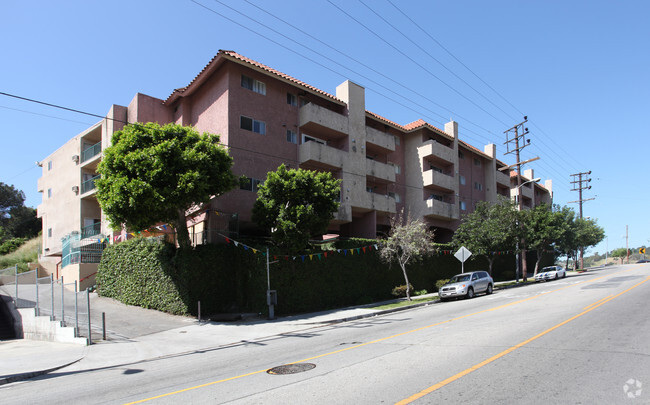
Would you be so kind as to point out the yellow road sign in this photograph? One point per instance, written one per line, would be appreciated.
(642, 251)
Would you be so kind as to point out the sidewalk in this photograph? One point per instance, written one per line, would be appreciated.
(139, 334)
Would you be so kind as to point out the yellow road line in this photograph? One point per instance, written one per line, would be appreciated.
(589, 306)
(371, 342)
(513, 348)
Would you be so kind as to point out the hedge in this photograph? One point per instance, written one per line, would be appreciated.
(226, 278)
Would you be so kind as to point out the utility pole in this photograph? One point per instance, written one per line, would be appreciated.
(580, 182)
(627, 246)
(515, 142)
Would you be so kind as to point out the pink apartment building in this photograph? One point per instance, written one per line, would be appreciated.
(267, 118)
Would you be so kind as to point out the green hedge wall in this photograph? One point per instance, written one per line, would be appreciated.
(226, 278)
(140, 272)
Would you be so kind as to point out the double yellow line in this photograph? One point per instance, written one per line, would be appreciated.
(442, 383)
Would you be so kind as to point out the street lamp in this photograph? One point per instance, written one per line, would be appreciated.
(518, 201)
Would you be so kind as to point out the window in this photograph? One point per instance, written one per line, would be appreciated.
(369, 189)
(49, 232)
(478, 186)
(397, 140)
(435, 169)
(463, 206)
(49, 165)
(250, 124)
(249, 184)
(435, 197)
(461, 155)
(49, 193)
(292, 99)
(291, 136)
(462, 180)
(477, 162)
(397, 168)
(252, 84)
(395, 196)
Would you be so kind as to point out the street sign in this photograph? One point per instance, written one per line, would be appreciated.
(642, 251)
(462, 254)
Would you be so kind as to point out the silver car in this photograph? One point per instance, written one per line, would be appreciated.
(467, 285)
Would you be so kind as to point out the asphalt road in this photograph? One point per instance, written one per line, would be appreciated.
(580, 340)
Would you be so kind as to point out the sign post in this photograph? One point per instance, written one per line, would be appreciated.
(462, 254)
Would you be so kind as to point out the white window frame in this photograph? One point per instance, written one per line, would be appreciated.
(292, 99)
(463, 206)
(257, 126)
(257, 86)
(49, 165)
(478, 186)
(292, 137)
(462, 180)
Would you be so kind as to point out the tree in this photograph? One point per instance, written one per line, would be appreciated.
(588, 233)
(10, 198)
(619, 253)
(409, 239)
(567, 241)
(152, 174)
(489, 228)
(296, 204)
(543, 228)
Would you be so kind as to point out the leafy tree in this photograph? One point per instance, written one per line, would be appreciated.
(543, 228)
(489, 228)
(567, 242)
(296, 204)
(10, 198)
(408, 240)
(23, 222)
(619, 253)
(153, 174)
(588, 233)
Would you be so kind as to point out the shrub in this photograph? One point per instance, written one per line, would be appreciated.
(11, 245)
(421, 292)
(440, 283)
(400, 290)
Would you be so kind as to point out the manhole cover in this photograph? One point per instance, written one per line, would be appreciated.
(291, 368)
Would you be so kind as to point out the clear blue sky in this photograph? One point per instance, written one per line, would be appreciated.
(577, 69)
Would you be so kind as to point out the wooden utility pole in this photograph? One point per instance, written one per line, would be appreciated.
(515, 142)
(580, 182)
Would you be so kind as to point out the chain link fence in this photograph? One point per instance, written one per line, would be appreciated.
(49, 297)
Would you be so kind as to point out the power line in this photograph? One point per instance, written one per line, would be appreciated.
(432, 57)
(416, 62)
(343, 66)
(43, 115)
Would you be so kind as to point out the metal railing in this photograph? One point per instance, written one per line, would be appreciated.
(49, 297)
(89, 184)
(91, 230)
(91, 151)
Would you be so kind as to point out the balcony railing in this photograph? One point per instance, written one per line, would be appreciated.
(88, 185)
(91, 230)
(91, 151)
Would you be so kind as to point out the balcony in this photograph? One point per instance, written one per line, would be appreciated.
(376, 202)
(442, 210)
(317, 120)
(91, 152)
(433, 148)
(321, 156)
(437, 180)
(380, 171)
(89, 184)
(503, 178)
(380, 139)
(91, 230)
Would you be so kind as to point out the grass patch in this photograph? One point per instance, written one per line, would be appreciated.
(27, 253)
(405, 303)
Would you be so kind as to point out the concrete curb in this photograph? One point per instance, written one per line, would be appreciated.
(31, 374)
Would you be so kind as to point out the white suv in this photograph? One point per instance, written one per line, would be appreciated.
(467, 285)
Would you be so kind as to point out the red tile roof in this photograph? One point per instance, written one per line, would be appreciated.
(237, 58)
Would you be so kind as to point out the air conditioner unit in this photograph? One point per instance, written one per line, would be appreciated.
(75, 189)
(75, 158)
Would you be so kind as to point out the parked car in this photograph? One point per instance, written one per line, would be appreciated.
(467, 285)
(551, 273)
